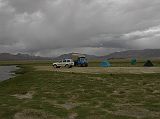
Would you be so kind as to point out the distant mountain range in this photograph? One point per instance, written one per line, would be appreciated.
(19, 56)
(89, 57)
(148, 53)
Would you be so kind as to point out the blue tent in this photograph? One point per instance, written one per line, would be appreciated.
(105, 64)
(133, 61)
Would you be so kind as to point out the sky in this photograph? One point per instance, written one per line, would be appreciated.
(96, 27)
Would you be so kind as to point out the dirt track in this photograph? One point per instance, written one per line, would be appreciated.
(100, 70)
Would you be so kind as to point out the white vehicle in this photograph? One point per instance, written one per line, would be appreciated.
(64, 63)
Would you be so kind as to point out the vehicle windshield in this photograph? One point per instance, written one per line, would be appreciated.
(83, 60)
(68, 60)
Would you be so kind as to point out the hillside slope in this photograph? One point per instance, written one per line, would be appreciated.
(148, 53)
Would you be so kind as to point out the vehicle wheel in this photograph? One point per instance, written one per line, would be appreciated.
(55, 66)
(86, 65)
(67, 66)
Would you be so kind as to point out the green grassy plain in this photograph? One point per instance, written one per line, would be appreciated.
(36, 94)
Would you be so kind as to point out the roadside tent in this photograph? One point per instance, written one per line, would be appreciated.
(133, 61)
(105, 64)
(148, 63)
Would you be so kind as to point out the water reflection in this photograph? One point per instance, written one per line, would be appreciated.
(6, 72)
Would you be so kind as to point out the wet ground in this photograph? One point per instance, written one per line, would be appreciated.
(7, 72)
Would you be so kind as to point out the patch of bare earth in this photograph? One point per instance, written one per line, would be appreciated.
(98, 78)
(73, 116)
(33, 114)
(28, 95)
(99, 70)
(135, 111)
(68, 106)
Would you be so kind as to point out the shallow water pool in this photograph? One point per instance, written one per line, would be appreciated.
(6, 72)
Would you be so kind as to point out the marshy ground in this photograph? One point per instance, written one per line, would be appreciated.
(48, 94)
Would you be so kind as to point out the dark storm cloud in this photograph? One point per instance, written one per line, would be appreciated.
(29, 6)
(56, 26)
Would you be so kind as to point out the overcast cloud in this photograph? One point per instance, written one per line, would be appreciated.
(52, 27)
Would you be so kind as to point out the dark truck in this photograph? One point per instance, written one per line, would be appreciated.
(80, 60)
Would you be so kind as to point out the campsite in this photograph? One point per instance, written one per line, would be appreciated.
(79, 59)
(121, 91)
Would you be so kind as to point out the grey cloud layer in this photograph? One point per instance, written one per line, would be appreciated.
(40, 26)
